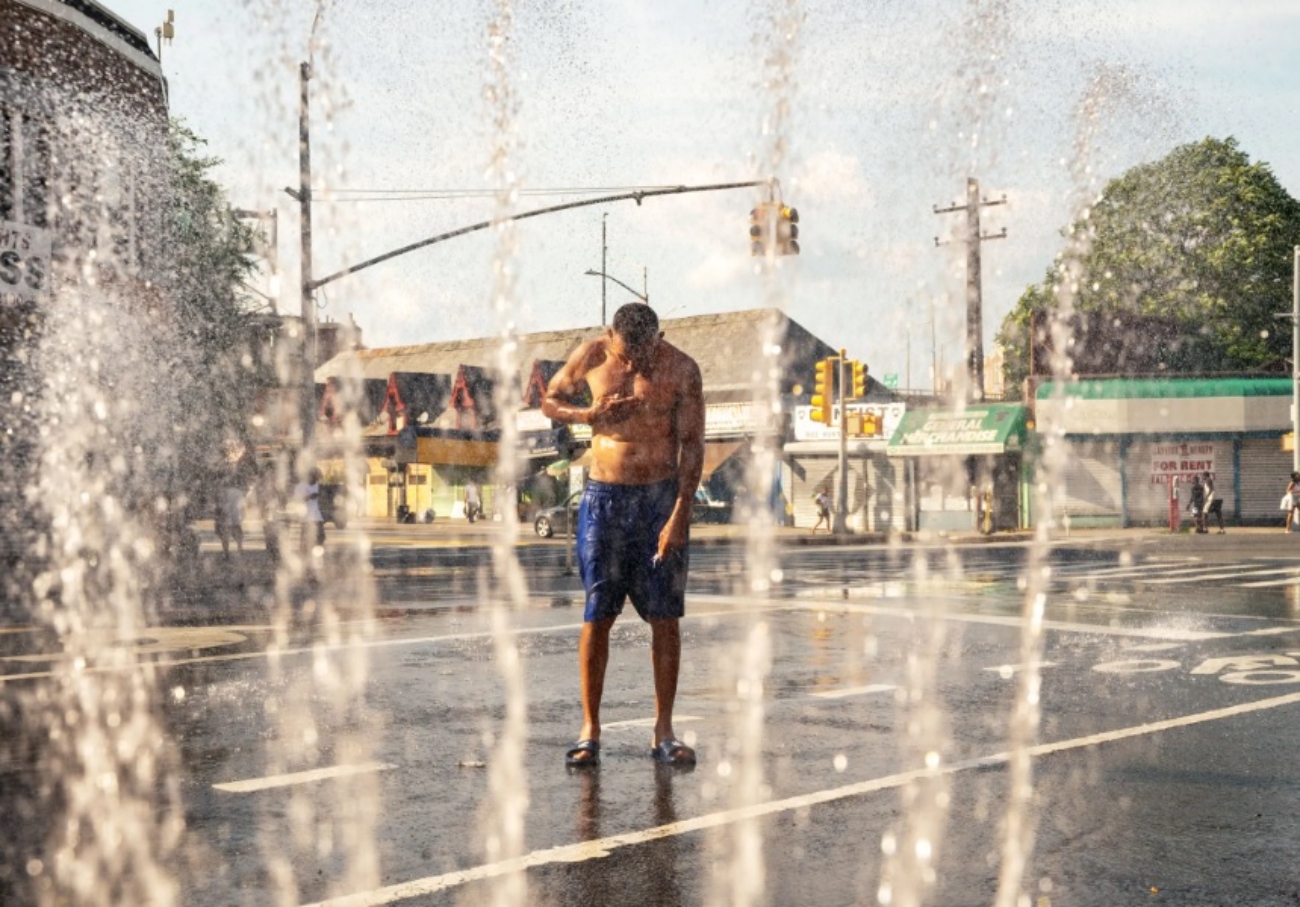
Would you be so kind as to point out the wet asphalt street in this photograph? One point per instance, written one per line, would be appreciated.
(1165, 767)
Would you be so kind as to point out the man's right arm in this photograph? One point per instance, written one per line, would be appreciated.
(566, 387)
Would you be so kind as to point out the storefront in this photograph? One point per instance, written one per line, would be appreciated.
(876, 499)
(963, 469)
(1128, 440)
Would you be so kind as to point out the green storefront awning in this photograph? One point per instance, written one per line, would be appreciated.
(988, 428)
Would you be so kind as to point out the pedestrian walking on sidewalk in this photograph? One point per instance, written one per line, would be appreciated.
(313, 526)
(822, 501)
(1196, 504)
(1213, 503)
(1291, 500)
(473, 501)
(230, 516)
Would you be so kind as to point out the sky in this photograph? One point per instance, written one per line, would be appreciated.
(870, 113)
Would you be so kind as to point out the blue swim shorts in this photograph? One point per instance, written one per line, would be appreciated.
(618, 538)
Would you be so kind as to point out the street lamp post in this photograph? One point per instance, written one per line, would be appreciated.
(641, 296)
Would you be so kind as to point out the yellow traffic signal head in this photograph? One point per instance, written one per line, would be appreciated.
(787, 231)
(823, 390)
(760, 229)
(859, 388)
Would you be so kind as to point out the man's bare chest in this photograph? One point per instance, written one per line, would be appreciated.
(656, 390)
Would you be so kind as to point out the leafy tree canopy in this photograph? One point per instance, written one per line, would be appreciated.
(1201, 242)
(216, 366)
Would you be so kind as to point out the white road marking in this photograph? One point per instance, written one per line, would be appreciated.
(1293, 571)
(1245, 663)
(1267, 583)
(322, 647)
(147, 641)
(1140, 572)
(855, 691)
(1136, 666)
(1006, 672)
(316, 774)
(603, 847)
(647, 722)
(1167, 633)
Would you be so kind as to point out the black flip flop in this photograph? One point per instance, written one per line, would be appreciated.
(586, 752)
(673, 752)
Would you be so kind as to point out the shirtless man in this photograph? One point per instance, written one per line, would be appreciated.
(647, 444)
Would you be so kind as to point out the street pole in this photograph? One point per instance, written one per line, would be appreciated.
(1295, 361)
(934, 351)
(974, 303)
(841, 525)
(603, 270)
(307, 412)
(974, 295)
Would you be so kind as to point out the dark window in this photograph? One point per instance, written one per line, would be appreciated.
(6, 166)
(36, 173)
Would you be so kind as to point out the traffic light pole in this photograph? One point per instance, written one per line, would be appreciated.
(841, 525)
(308, 390)
(637, 197)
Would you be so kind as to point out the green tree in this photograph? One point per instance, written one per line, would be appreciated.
(214, 368)
(1201, 241)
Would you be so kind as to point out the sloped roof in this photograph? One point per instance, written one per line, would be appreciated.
(728, 347)
(423, 396)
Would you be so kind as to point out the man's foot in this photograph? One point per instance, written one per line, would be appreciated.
(671, 751)
(585, 752)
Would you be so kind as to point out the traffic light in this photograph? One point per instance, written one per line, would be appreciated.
(870, 425)
(759, 221)
(858, 385)
(823, 389)
(787, 231)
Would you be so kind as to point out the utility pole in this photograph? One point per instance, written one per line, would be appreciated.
(603, 270)
(841, 525)
(308, 415)
(974, 303)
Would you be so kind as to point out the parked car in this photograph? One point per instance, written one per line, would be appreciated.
(556, 519)
(709, 510)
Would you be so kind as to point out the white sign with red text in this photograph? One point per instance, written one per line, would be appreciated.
(1181, 460)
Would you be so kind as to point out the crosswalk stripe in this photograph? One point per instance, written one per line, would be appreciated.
(854, 691)
(1294, 571)
(1269, 583)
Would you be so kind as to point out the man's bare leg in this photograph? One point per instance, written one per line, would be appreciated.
(593, 656)
(665, 657)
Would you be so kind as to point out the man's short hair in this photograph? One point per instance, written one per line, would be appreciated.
(637, 324)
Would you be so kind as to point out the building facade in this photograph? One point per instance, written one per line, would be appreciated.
(1128, 441)
(439, 426)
